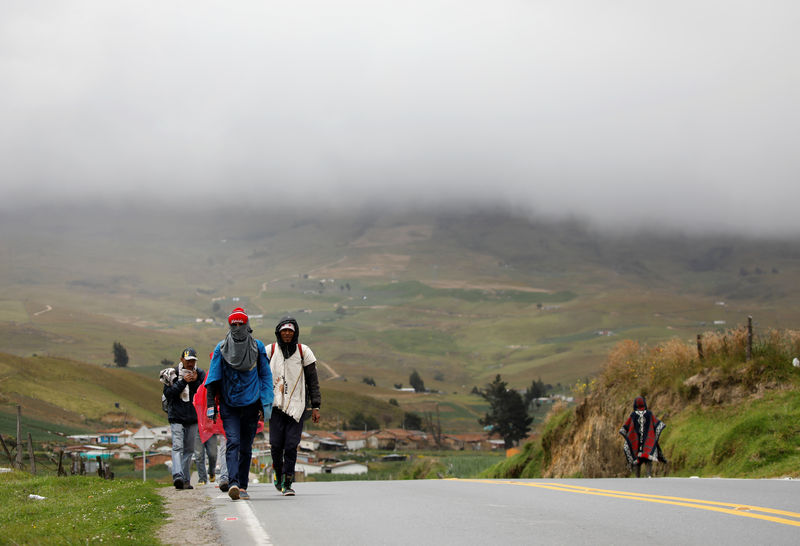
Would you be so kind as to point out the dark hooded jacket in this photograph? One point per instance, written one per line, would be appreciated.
(313, 395)
(178, 410)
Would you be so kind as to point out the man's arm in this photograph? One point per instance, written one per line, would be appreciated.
(312, 384)
(265, 379)
(213, 379)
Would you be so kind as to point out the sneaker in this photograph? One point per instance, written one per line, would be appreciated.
(201, 482)
(223, 486)
(233, 492)
(244, 495)
(277, 481)
(211, 478)
(287, 485)
(188, 486)
(178, 483)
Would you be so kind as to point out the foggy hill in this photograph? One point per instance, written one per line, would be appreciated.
(459, 296)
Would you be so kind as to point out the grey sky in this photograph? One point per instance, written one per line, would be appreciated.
(683, 112)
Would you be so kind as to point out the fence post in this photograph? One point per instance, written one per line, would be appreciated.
(8, 453)
(61, 471)
(749, 354)
(18, 454)
(30, 454)
(700, 346)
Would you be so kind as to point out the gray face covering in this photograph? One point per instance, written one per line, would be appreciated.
(239, 349)
(239, 332)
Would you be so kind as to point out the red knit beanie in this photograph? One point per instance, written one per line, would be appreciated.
(237, 315)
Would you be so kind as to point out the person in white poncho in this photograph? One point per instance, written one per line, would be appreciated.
(294, 375)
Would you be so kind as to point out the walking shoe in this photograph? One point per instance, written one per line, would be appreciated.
(188, 486)
(233, 492)
(211, 478)
(244, 495)
(223, 486)
(287, 486)
(277, 480)
(178, 483)
(201, 482)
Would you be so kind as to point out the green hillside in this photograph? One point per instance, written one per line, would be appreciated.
(59, 396)
(726, 416)
(457, 297)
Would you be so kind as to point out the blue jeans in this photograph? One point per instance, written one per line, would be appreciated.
(223, 463)
(183, 437)
(200, 450)
(240, 424)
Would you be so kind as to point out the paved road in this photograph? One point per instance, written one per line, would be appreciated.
(443, 512)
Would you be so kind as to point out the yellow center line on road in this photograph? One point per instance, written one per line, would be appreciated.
(735, 509)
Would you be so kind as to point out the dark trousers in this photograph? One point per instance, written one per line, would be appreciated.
(284, 437)
(240, 424)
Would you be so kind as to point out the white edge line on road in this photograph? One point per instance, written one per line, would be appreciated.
(257, 533)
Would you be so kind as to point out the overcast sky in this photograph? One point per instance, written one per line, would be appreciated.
(682, 112)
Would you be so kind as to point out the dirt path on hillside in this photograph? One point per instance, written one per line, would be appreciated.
(190, 517)
(333, 373)
(43, 311)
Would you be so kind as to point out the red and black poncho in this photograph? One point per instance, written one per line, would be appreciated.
(641, 432)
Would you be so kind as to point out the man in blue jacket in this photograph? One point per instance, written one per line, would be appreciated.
(239, 383)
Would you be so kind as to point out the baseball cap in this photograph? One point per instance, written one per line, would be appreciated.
(189, 354)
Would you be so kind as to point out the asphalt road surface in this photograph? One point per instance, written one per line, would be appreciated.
(670, 511)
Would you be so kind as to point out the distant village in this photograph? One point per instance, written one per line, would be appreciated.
(319, 452)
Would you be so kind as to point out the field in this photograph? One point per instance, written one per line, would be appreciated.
(458, 298)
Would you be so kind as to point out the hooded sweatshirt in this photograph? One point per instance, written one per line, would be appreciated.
(294, 373)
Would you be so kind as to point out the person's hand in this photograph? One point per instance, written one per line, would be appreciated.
(267, 409)
(315, 415)
(190, 376)
(211, 413)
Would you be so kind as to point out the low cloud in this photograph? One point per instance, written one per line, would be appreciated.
(624, 113)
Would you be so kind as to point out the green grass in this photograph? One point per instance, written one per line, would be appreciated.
(41, 430)
(757, 440)
(78, 510)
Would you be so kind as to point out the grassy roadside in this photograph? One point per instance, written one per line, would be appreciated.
(78, 510)
(726, 416)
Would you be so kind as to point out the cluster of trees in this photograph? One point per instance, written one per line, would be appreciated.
(508, 410)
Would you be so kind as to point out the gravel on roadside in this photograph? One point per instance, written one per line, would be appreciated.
(190, 517)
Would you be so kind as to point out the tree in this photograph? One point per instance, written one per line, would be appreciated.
(362, 422)
(536, 390)
(412, 421)
(508, 416)
(369, 381)
(120, 355)
(166, 362)
(416, 382)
